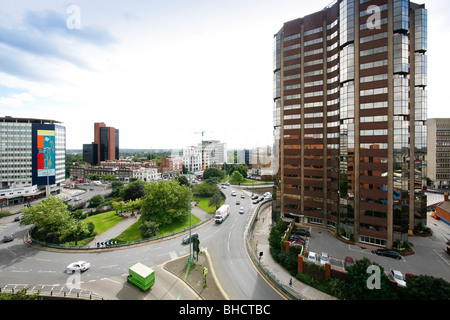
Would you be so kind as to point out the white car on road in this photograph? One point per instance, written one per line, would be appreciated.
(78, 266)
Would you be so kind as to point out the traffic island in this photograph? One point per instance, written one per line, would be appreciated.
(197, 275)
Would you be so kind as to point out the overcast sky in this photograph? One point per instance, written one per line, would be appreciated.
(163, 71)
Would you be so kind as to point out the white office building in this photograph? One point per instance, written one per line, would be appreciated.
(32, 156)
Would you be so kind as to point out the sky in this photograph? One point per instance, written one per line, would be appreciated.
(166, 73)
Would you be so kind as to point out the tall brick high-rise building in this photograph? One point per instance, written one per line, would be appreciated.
(105, 146)
(350, 107)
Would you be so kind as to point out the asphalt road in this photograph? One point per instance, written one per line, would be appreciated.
(233, 267)
(25, 266)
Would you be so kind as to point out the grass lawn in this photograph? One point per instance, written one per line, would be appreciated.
(248, 182)
(133, 233)
(104, 221)
(204, 204)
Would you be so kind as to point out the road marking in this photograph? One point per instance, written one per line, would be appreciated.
(441, 256)
(113, 281)
(173, 255)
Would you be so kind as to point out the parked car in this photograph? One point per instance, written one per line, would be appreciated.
(348, 262)
(8, 238)
(18, 218)
(241, 210)
(189, 238)
(78, 266)
(397, 276)
(324, 258)
(388, 253)
(297, 239)
(254, 197)
(301, 232)
(312, 256)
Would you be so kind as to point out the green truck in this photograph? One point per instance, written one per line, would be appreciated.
(142, 276)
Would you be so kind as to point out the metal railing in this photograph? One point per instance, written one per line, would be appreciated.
(51, 293)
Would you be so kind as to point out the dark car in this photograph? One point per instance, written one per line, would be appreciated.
(18, 218)
(189, 238)
(8, 238)
(388, 253)
(301, 232)
(297, 239)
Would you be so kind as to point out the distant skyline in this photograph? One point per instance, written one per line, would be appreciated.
(161, 72)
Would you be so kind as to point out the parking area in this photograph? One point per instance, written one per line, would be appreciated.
(429, 258)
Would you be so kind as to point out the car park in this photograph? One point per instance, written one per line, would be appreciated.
(78, 266)
(189, 238)
(8, 238)
(388, 253)
(397, 276)
(324, 258)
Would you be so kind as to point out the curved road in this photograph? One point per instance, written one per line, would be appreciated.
(21, 265)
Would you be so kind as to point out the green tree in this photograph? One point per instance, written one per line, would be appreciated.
(96, 201)
(236, 178)
(241, 168)
(50, 216)
(424, 287)
(148, 229)
(134, 190)
(20, 295)
(216, 200)
(117, 188)
(275, 235)
(357, 284)
(77, 229)
(212, 173)
(165, 202)
(183, 180)
(205, 190)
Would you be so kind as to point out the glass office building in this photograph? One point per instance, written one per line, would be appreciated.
(349, 119)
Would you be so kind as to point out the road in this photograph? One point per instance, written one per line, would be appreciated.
(25, 266)
(236, 273)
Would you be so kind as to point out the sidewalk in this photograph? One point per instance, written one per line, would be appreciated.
(113, 232)
(260, 240)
